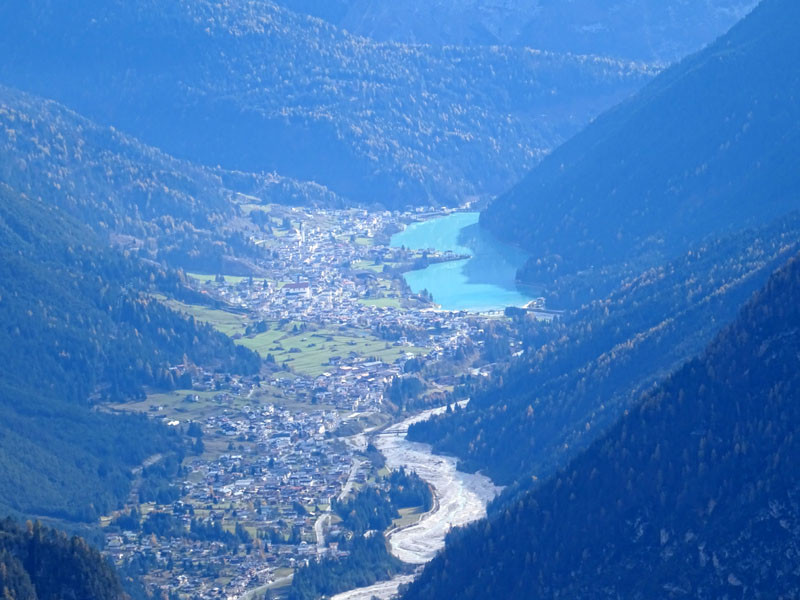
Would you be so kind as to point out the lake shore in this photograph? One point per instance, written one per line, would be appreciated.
(480, 274)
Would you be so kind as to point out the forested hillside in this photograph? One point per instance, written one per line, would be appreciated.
(37, 563)
(254, 87)
(646, 435)
(695, 493)
(579, 375)
(624, 486)
(650, 30)
(133, 194)
(78, 323)
(661, 30)
(712, 144)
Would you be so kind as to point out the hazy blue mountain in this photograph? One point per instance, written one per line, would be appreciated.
(98, 174)
(693, 494)
(588, 368)
(254, 87)
(79, 326)
(438, 22)
(662, 30)
(86, 162)
(133, 193)
(711, 145)
(650, 30)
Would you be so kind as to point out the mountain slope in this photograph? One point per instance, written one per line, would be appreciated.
(695, 493)
(637, 29)
(78, 323)
(556, 399)
(650, 30)
(254, 87)
(697, 152)
(133, 193)
(38, 563)
(118, 176)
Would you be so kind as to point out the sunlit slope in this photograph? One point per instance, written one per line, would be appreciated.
(254, 87)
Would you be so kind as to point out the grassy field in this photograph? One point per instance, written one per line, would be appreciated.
(307, 352)
(364, 241)
(310, 352)
(174, 405)
(248, 208)
(230, 279)
(382, 302)
(229, 323)
(367, 265)
(408, 516)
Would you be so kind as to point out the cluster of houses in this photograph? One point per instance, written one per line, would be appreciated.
(281, 467)
(274, 486)
(324, 270)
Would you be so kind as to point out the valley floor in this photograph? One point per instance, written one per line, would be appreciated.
(336, 325)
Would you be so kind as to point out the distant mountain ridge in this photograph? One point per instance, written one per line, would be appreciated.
(254, 87)
(711, 145)
(695, 493)
(650, 30)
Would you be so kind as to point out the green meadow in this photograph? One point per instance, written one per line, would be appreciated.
(310, 352)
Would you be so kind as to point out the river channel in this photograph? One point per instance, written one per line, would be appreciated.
(460, 499)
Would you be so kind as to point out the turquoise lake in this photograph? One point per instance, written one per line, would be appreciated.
(484, 282)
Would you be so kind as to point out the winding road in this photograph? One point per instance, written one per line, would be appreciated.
(319, 524)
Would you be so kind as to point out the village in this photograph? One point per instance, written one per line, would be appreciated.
(336, 326)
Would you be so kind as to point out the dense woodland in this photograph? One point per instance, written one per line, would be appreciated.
(254, 87)
(663, 169)
(368, 561)
(81, 327)
(661, 30)
(694, 493)
(134, 195)
(37, 563)
(375, 507)
(579, 374)
(365, 517)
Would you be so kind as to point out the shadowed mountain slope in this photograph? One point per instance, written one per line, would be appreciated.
(711, 145)
(79, 326)
(695, 493)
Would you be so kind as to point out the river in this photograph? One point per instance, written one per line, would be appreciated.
(484, 282)
(460, 499)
